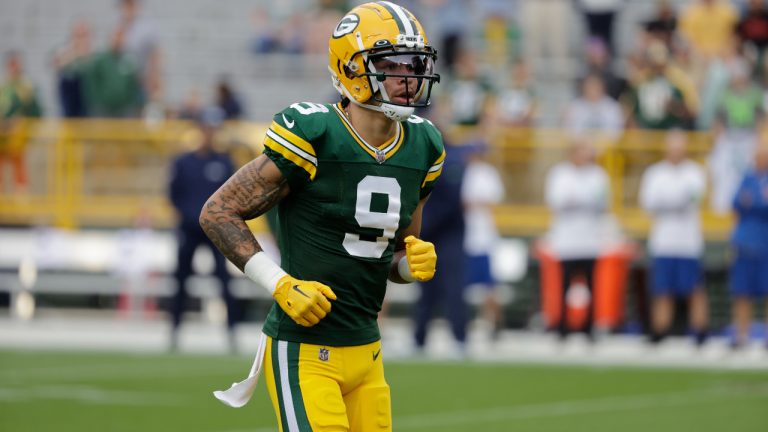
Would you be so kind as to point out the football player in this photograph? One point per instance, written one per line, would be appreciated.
(350, 181)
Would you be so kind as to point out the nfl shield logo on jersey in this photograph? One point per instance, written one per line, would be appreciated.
(324, 353)
(381, 157)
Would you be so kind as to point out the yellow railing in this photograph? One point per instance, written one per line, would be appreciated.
(525, 155)
(109, 173)
(112, 173)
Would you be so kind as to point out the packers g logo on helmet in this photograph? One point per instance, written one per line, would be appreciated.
(346, 25)
(384, 34)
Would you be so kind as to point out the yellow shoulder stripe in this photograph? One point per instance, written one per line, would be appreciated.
(435, 170)
(284, 151)
(440, 159)
(432, 176)
(293, 138)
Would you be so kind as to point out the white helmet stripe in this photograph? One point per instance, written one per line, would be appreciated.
(372, 82)
(409, 28)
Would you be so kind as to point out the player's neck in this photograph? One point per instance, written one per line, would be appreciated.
(374, 127)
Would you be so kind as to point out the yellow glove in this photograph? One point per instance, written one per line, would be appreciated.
(306, 302)
(421, 257)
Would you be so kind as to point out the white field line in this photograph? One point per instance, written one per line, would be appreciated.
(560, 409)
(92, 395)
(565, 408)
(113, 370)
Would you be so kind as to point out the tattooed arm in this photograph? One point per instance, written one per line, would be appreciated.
(249, 193)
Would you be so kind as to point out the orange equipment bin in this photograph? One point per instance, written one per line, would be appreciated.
(608, 293)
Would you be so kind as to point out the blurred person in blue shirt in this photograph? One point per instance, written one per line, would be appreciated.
(749, 271)
(196, 175)
(443, 225)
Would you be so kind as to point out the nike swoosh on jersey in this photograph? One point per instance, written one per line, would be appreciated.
(376, 354)
(296, 287)
(288, 123)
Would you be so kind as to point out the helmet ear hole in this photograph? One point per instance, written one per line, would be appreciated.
(348, 72)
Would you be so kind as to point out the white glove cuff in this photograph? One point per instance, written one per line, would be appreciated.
(262, 270)
(404, 270)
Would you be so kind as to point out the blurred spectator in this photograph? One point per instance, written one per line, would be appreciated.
(576, 192)
(470, 93)
(71, 62)
(663, 24)
(271, 37)
(326, 15)
(656, 102)
(716, 81)
(753, 29)
(18, 100)
(671, 191)
(707, 25)
(481, 190)
(763, 83)
(680, 72)
(749, 271)
(155, 110)
(594, 111)
(266, 39)
(143, 47)
(453, 29)
(111, 82)
(598, 62)
(502, 40)
(191, 106)
(228, 101)
(739, 116)
(546, 31)
(443, 225)
(516, 103)
(18, 97)
(194, 177)
(600, 15)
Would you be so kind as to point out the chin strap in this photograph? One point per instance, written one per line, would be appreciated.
(393, 112)
(396, 112)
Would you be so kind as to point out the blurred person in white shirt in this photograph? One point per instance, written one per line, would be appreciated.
(577, 192)
(594, 111)
(516, 103)
(671, 192)
(481, 190)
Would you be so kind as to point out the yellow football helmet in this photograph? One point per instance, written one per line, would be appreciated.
(376, 41)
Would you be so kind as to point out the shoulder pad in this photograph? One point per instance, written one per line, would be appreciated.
(307, 120)
(424, 126)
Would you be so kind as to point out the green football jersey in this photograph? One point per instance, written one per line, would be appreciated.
(348, 203)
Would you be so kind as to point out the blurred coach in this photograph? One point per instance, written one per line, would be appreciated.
(195, 176)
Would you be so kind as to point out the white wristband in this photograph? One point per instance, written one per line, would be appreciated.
(262, 270)
(404, 270)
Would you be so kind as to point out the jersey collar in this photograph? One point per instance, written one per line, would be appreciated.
(380, 154)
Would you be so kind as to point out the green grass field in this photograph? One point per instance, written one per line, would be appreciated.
(53, 391)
